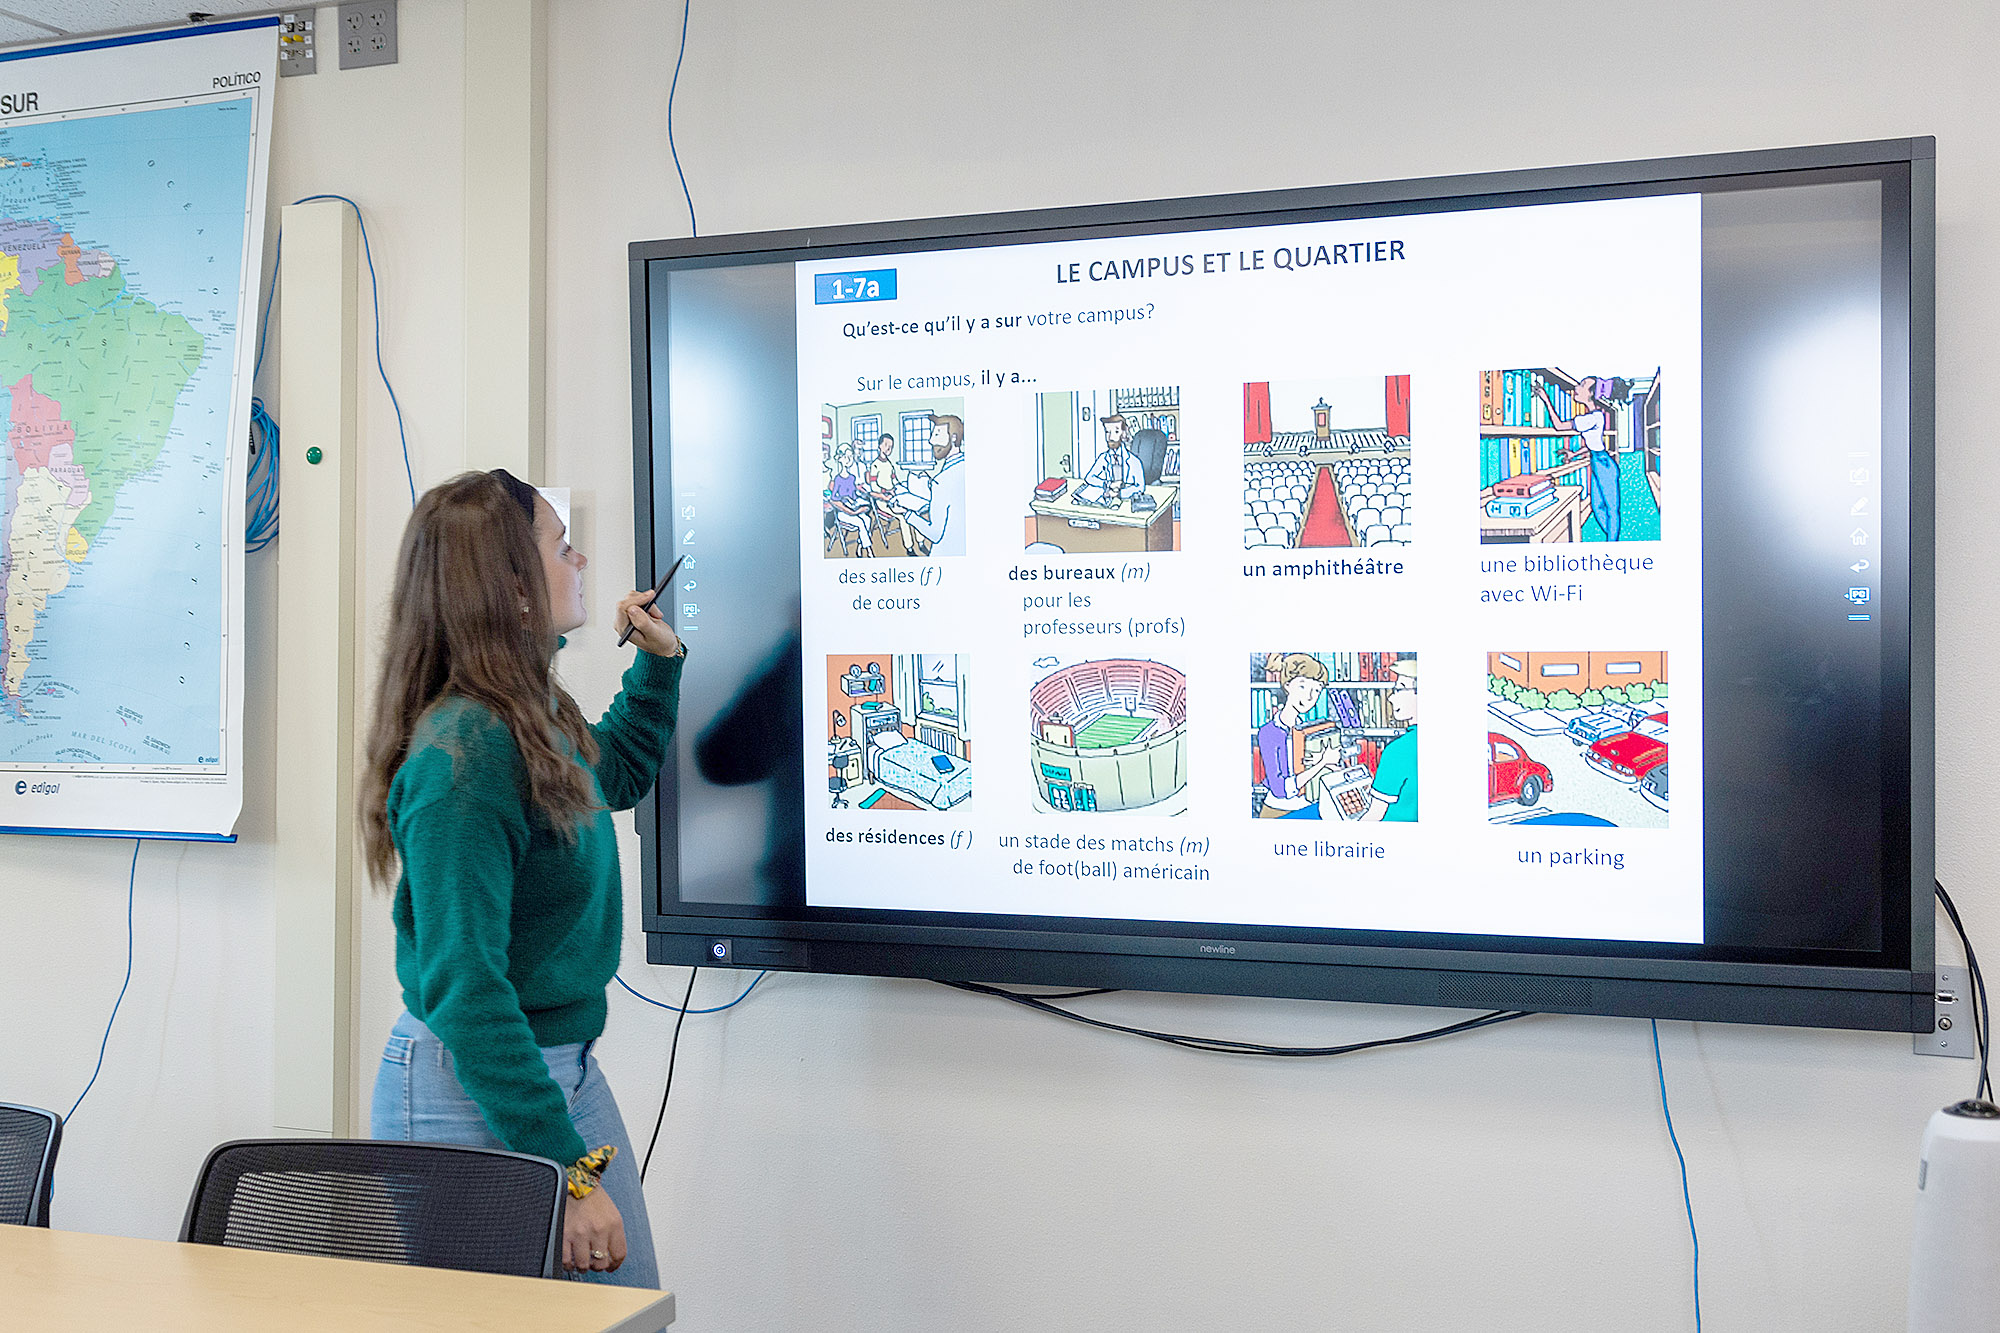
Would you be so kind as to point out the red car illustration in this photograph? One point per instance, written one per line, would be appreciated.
(1627, 758)
(1511, 775)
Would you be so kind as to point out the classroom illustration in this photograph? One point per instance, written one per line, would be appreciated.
(1326, 462)
(1577, 738)
(893, 477)
(1568, 457)
(896, 736)
(1108, 735)
(1106, 471)
(1333, 736)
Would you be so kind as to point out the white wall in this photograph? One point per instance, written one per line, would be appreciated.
(849, 1154)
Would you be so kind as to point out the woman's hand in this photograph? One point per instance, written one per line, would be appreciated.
(650, 629)
(592, 1226)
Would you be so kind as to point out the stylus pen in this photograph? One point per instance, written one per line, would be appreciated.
(658, 588)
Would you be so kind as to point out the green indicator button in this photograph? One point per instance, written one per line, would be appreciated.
(313, 455)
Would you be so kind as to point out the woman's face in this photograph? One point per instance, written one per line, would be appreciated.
(562, 567)
(1586, 393)
(1301, 693)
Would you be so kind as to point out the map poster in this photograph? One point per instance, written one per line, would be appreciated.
(132, 174)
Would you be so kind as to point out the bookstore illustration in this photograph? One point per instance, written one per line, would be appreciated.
(896, 733)
(1106, 471)
(1569, 457)
(1108, 735)
(1577, 738)
(892, 478)
(1326, 462)
(1333, 736)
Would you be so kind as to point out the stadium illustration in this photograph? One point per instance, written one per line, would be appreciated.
(1108, 736)
(1326, 462)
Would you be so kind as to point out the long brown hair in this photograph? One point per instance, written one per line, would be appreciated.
(470, 617)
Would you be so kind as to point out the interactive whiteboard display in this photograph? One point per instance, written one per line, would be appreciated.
(1334, 574)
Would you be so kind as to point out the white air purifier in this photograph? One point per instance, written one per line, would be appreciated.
(1955, 1241)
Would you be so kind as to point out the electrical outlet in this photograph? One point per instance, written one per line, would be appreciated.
(367, 33)
(1953, 1034)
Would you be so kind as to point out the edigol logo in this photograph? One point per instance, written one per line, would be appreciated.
(39, 788)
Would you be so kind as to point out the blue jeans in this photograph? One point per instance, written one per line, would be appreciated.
(1604, 497)
(418, 1097)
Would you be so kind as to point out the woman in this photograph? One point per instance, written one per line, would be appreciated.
(1593, 393)
(486, 786)
(850, 507)
(1303, 678)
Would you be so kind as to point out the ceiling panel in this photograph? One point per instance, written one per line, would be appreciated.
(14, 30)
(36, 19)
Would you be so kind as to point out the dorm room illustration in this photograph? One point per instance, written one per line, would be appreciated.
(896, 734)
(1326, 462)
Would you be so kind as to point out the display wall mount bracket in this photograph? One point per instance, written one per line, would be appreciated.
(1953, 1033)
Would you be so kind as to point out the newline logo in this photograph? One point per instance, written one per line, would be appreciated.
(1218, 948)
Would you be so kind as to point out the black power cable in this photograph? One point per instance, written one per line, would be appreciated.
(672, 1051)
(1228, 1046)
(1982, 1016)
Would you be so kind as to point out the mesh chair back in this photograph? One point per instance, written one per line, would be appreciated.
(29, 1137)
(430, 1204)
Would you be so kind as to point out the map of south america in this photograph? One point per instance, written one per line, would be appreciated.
(93, 372)
(132, 225)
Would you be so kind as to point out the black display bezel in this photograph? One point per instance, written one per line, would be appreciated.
(1888, 989)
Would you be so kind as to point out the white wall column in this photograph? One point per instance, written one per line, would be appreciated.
(312, 1086)
(506, 195)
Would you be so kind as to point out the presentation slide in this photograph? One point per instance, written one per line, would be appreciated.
(1132, 566)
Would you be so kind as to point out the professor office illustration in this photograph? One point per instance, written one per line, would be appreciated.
(1106, 470)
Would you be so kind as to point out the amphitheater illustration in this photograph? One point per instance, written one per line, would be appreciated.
(1327, 463)
(1109, 736)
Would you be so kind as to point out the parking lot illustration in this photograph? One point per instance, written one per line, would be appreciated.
(1577, 738)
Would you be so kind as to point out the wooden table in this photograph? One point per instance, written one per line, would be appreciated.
(69, 1280)
(1089, 529)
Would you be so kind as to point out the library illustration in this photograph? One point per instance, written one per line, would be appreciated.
(1106, 471)
(896, 737)
(1569, 457)
(892, 477)
(1577, 738)
(1108, 735)
(1326, 462)
(1333, 736)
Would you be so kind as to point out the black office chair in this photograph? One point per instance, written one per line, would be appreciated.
(434, 1205)
(1150, 446)
(29, 1138)
(837, 784)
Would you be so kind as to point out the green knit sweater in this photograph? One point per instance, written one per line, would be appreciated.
(507, 933)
